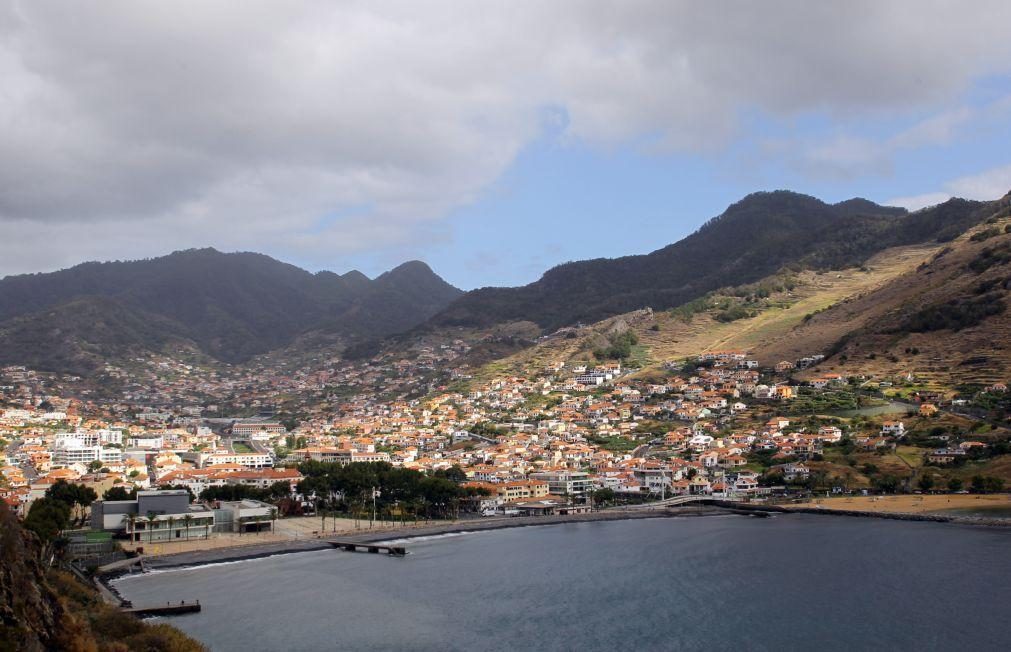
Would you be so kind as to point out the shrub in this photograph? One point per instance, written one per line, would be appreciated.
(733, 313)
(620, 346)
(990, 257)
(955, 314)
(983, 235)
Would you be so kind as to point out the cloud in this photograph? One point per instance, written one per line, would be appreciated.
(916, 202)
(134, 127)
(848, 157)
(987, 185)
(991, 184)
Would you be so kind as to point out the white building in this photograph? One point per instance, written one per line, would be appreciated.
(565, 483)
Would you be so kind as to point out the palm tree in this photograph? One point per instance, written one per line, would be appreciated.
(187, 520)
(273, 518)
(151, 516)
(131, 525)
(171, 521)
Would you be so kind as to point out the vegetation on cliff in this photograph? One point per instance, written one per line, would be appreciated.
(43, 609)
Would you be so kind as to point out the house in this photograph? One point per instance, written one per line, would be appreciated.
(545, 507)
(783, 392)
(830, 433)
(928, 410)
(734, 461)
(944, 456)
(792, 472)
(894, 428)
(746, 483)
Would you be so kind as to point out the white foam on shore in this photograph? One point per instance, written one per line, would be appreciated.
(212, 564)
(430, 537)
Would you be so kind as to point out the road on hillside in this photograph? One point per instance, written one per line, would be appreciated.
(27, 467)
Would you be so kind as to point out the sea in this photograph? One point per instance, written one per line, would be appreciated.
(791, 582)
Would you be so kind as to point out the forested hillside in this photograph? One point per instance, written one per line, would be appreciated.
(227, 306)
(752, 239)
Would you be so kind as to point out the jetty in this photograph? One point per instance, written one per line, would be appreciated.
(168, 609)
(113, 598)
(374, 548)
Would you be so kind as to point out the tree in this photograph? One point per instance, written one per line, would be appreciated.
(96, 465)
(984, 484)
(119, 493)
(886, 484)
(233, 492)
(187, 520)
(151, 517)
(77, 497)
(47, 517)
(131, 521)
(182, 487)
(454, 474)
(955, 484)
(603, 496)
(926, 482)
(278, 490)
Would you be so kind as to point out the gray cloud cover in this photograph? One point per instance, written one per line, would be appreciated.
(316, 129)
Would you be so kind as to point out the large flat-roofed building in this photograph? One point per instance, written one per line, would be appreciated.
(565, 483)
(250, 428)
(338, 455)
(154, 516)
(243, 516)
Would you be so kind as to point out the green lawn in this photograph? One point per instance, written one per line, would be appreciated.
(241, 447)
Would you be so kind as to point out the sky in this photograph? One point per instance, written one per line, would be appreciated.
(491, 140)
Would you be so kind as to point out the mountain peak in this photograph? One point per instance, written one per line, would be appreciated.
(415, 273)
(231, 306)
(413, 267)
(861, 206)
(354, 275)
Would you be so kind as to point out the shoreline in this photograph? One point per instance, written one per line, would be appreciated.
(954, 519)
(716, 508)
(259, 551)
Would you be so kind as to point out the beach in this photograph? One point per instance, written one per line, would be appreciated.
(301, 535)
(255, 546)
(912, 504)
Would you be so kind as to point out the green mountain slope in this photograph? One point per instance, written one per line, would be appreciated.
(229, 306)
(750, 240)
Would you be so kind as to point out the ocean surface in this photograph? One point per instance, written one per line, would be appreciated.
(796, 582)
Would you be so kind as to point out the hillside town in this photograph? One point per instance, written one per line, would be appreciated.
(565, 436)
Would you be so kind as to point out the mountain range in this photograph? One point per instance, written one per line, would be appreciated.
(750, 240)
(230, 306)
(233, 306)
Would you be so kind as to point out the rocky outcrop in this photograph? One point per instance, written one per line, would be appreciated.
(31, 615)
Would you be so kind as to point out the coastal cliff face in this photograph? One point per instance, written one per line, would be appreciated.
(50, 610)
(31, 615)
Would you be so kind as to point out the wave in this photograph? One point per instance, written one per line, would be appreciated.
(429, 537)
(200, 565)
